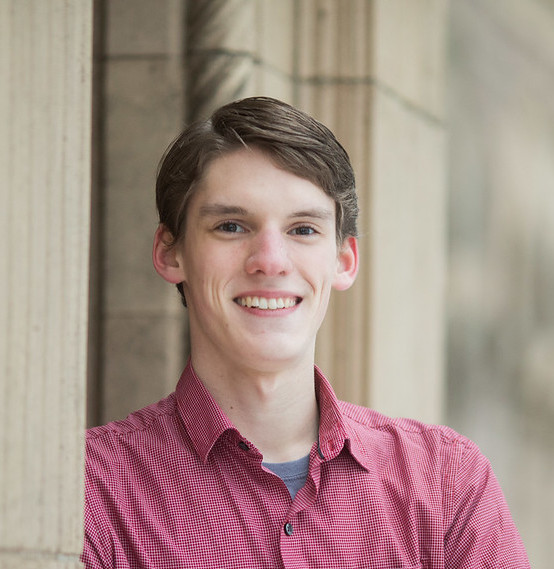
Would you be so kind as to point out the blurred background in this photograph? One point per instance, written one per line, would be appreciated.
(446, 110)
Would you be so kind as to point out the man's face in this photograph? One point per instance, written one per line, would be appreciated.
(259, 259)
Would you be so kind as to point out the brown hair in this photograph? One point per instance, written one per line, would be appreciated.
(294, 140)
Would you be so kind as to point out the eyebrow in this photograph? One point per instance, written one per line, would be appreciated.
(216, 209)
(317, 213)
(221, 209)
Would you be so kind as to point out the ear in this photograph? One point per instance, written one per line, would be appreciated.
(165, 256)
(347, 264)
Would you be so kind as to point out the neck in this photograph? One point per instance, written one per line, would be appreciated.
(277, 411)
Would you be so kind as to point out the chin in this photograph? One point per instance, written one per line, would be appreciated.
(276, 356)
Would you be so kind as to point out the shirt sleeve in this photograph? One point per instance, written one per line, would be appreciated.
(480, 533)
(101, 548)
(93, 556)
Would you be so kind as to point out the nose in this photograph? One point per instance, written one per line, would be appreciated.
(268, 254)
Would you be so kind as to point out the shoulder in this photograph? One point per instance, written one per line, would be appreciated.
(412, 457)
(370, 420)
(153, 425)
(405, 438)
(437, 475)
(135, 422)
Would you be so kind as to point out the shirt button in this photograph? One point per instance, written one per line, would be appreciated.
(244, 446)
(288, 529)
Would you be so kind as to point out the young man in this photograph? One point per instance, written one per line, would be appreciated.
(253, 462)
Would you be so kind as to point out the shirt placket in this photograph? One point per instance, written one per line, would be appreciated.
(293, 539)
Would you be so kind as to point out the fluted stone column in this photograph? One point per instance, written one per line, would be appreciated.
(45, 69)
(408, 220)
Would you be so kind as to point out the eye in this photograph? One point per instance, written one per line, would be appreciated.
(303, 230)
(230, 227)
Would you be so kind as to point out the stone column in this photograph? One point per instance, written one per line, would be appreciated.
(45, 69)
(334, 84)
(408, 212)
(374, 72)
(142, 328)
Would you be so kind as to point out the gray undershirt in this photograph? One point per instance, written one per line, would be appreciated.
(293, 473)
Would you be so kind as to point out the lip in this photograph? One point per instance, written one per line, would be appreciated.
(269, 294)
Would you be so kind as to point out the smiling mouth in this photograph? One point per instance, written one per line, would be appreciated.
(263, 303)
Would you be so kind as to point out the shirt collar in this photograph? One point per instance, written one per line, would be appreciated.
(335, 433)
(205, 421)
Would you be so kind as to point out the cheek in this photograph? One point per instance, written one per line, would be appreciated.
(208, 278)
(322, 265)
(200, 260)
(320, 272)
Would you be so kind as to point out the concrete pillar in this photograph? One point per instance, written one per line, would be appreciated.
(45, 65)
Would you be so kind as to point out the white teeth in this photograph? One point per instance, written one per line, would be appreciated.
(267, 303)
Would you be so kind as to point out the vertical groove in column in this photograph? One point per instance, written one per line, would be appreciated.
(44, 180)
(221, 44)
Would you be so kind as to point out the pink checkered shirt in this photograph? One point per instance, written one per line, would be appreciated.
(176, 486)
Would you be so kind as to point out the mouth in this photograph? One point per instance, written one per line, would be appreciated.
(263, 303)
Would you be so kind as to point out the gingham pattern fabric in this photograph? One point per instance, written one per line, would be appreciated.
(176, 486)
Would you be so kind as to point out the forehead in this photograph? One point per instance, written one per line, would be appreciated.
(251, 174)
